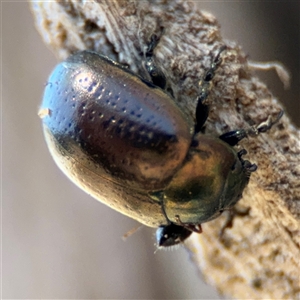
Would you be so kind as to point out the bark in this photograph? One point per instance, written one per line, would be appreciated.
(259, 256)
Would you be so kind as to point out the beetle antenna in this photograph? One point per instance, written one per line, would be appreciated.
(131, 232)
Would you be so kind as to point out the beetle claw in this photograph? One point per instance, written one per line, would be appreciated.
(265, 125)
(241, 153)
(249, 167)
(252, 168)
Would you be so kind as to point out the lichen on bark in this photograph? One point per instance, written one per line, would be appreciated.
(259, 256)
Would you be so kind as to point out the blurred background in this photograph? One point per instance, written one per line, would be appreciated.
(57, 242)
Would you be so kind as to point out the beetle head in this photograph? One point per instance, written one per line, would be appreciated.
(171, 235)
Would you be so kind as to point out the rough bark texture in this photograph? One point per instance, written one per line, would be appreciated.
(259, 256)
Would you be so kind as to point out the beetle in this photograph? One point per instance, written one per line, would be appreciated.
(123, 140)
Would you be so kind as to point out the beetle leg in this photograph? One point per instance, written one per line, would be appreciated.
(248, 166)
(246, 163)
(192, 227)
(205, 83)
(232, 213)
(241, 153)
(202, 109)
(266, 125)
(157, 76)
(233, 137)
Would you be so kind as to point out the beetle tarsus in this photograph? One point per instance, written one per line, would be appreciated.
(249, 166)
(202, 109)
(266, 125)
(154, 40)
(241, 153)
(157, 76)
(232, 138)
(209, 75)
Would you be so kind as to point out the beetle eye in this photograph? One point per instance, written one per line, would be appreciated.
(171, 235)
